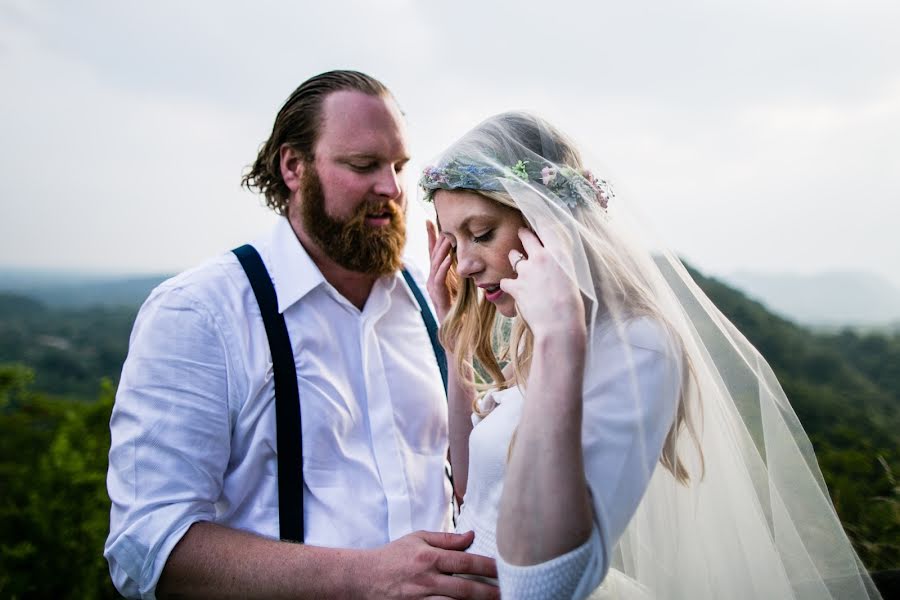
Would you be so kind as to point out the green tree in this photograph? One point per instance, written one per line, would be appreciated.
(54, 512)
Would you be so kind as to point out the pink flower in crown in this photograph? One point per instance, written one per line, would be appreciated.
(603, 199)
(599, 187)
(548, 174)
(436, 175)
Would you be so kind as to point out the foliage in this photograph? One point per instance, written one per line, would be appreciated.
(71, 349)
(54, 432)
(54, 511)
(845, 388)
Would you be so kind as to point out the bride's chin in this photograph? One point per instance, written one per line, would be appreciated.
(507, 308)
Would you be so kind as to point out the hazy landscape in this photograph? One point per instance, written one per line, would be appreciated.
(832, 299)
(63, 338)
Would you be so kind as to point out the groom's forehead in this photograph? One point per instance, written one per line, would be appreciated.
(356, 123)
(352, 110)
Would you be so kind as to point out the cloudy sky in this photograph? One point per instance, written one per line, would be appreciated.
(752, 135)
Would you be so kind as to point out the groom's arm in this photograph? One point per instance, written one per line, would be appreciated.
(212, 561)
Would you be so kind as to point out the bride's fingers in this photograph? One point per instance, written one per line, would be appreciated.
(515, 259)
(432, 235)
(444, 268)
(440, 251)
(530, 241)
(510, 286)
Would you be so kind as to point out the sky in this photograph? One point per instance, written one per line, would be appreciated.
(753, 135)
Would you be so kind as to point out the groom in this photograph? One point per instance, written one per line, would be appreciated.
(193, 464)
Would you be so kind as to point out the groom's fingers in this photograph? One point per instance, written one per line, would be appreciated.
(452, 560)
(455, 560)
(447, 541)
(460, 588)
(467, 564)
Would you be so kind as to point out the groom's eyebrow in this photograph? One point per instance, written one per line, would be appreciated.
(403, 159)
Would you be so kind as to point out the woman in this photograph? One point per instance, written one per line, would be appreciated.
(629, 436)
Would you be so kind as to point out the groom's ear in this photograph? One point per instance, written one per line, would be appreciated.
(291, 164)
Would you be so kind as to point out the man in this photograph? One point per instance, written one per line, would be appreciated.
(192, 473)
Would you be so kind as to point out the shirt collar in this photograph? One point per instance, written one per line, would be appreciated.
(294, 274)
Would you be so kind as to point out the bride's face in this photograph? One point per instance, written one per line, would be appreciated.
(482, 233)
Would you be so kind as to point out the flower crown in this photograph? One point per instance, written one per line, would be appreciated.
(573, 186)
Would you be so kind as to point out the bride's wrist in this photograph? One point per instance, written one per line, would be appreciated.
(562, 341)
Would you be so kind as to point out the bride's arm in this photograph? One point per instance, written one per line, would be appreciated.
(459, 393)
(460, 396)
(545, 508)
(569, 491)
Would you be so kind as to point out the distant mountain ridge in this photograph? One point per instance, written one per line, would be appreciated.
(844, 387)
(833, 298)
(74, 290)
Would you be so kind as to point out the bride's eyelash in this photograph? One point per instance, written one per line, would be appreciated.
(485, 237)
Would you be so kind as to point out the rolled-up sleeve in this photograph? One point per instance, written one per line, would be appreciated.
(170, 434)
(633, 382)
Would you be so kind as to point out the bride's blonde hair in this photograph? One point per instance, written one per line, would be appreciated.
(480, 341)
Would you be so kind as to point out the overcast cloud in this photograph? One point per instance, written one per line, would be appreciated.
(756, 135)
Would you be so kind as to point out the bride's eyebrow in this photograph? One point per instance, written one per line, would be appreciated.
(467, 222)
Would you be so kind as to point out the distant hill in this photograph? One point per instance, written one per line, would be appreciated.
(843, 385)
(845, 388)
(826, 299)
(72, 349)
(74, 290)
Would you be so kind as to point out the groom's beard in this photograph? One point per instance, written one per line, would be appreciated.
(351, 243)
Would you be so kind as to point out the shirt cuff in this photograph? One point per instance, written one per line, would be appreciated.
(567, 576)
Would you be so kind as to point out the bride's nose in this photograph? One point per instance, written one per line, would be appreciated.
(468, 263)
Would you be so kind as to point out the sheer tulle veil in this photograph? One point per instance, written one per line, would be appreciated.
(754, 520)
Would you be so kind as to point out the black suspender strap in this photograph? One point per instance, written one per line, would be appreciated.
(439, 355)
(287, 398)
(430, 325)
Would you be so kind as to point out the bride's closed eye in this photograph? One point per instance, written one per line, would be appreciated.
(484, 237)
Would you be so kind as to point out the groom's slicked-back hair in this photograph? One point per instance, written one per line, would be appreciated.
(298, 124)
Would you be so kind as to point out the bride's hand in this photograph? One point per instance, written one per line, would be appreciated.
(439, 289)
(546, 295)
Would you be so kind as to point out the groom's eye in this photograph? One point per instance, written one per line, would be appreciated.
(362, 167)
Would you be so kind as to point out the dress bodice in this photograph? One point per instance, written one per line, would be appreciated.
(488, 452)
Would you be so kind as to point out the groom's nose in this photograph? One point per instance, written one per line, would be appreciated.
(389, 183)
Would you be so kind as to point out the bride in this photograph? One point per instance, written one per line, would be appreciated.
(612, 434)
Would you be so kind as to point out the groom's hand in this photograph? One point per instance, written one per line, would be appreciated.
(422, 565)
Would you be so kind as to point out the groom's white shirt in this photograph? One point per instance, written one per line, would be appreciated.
(193, 428)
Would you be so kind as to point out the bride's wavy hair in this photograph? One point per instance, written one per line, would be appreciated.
(472, 329)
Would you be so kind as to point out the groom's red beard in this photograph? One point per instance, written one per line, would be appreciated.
(351, 243)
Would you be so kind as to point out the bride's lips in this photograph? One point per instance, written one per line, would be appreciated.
(492, 291)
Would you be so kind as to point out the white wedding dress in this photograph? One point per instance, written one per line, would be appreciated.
(630, 394)
(755, 521)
